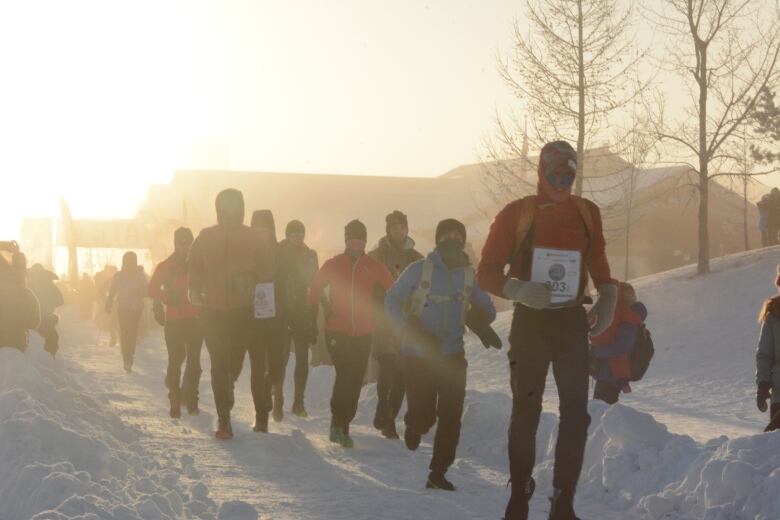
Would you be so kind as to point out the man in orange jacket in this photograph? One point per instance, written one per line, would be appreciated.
(354, 280)
(551, 242)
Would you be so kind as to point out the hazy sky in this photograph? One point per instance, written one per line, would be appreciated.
(100, 98)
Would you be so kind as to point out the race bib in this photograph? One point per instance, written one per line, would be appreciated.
(265, 302)
(560, 270)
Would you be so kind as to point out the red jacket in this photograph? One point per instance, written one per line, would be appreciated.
(169, 284)
(352, 301)
(557, 226)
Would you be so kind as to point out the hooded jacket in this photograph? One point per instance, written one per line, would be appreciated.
(169, 285)
(300, 266)
(228, 260)
(442, 319)
(768, 350)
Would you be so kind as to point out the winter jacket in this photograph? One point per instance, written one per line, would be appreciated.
(129, 288)
(353, 298)
(555, 226)
(768, 351)
(396, 259)
(19, 312)
(297, 265)
(169, 284)
(442, 319)
(613, 347)
(226, 262)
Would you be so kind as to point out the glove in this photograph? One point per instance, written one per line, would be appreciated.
(196, 298)
(603, 311)
(478, 323)
(421, 337)
(535, 295)
(763, 393)
(159, 312)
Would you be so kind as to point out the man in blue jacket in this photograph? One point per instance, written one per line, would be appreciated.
(428, 304)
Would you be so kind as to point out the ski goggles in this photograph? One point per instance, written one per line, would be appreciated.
(560, 180)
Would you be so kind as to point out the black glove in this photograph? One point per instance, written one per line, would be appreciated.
(159, 312)
(763, 393)
(477, 321)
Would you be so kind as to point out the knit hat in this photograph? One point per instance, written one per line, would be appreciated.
(294, 227)
(450, 224)
(264, 218)
(183, 233)
(355, 230)
(558, 156)
(396, 217)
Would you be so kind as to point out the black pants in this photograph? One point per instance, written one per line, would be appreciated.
(227, 335)
(774, 413)
(129, 319)
(538, 339)
(606, 392)
(301, 374)
(184, 340)
(350, 358)
(390, 388)
(267, 335)
(436, 387)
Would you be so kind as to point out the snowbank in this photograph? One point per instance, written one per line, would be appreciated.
(62, 455)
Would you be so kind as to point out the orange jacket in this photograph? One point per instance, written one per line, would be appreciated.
(226, 262)
(352, 293)
(169, 285)
(557, 226)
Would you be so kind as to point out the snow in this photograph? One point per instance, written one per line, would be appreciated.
(81, 439)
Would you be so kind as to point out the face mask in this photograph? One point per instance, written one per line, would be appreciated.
(450, 249)
(356, 247)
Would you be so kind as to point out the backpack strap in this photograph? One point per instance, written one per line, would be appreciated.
(468, 286)
(420, 295)
(524, 224)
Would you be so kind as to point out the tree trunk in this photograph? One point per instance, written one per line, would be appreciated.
(704, 176)
(629, 208)
(745, 209)
(581, 112)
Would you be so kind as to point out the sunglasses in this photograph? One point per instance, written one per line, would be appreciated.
(560, 180)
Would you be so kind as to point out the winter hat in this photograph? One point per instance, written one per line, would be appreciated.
(396, 217)
(129, 260)
(355, 230)
(450, 224)
(558, 156)
(264, 218)
(230, 207)
(183, 233)
(294, 227)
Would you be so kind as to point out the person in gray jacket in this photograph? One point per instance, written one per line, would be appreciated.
(767, 359)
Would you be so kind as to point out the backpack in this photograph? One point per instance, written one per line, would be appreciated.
(640, 357)
(526, 221)
(421, 294)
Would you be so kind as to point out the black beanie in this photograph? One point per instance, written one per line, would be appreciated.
(183, 233)
(264, 218)
(558, 155)
(293, 227)
(355, 230)
(396, 217)
(450, 224)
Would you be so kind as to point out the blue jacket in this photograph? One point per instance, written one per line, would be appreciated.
(442, 319)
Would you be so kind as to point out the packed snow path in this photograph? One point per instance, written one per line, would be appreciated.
(700, 385)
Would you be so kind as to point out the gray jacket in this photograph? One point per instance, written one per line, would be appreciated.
(768, 355)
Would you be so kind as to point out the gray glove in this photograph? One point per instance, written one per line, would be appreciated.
(535, 295)
(603, 311)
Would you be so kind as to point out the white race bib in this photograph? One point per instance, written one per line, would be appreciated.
(265, 302)
(560, 270)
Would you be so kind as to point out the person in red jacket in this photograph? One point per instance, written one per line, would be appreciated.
(183, 334)
(352, 279)
(551, 242)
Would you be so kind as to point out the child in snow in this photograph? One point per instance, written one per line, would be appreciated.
(610, 350)
(767, 356)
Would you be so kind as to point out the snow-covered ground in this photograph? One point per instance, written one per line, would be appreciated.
(81, 439)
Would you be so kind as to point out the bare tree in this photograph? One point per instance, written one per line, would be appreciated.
(766, 121)
(725, 52)
(569, 72)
